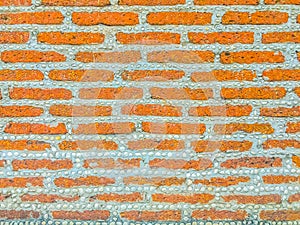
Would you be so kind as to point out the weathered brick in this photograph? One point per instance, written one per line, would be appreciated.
(223, 75)
(82, 181)
(213, 214)
(173, 128)
(48, 198)
(282, 74)
(253, 93)
(21, 182)
(252, 199)
(109, 57)
(19, 214)
(88, 145)
(296, 160)
(293, 127)
(226, 2)
(280, 179)
(20, 145)
(252, 162)
(151, 144)
(263, 128)
(2, 164)
(176, 198)
(80, 110)
(151, 2)
(84, 215)
(81, 75)
(115, 197)
(280, 111)
(15, 3)
(273, 2)
(20, 111)
(294, 198)
(35, 128)
(165, 215)
(13, 37)
(281, 37)
(76, 2)
(154, 181)
(210, 146)
(112, 163)
(221, 37)
(36, 164)
(152, 110)
(181, 93)
(40, 94)
(176, 164)
(283, 144)
(105, 128)
(44, 17)
(222, 181)
(21, 75)
(111, 93)
(226, 110)
(152, 75)
(280, 215)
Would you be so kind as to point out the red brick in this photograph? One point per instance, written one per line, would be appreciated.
(170, 145)
(222, 181)
(20, 145)
(283, 144)
(226, 2)
(81, 75)
(18, 214)
(263, 128)
(296, 160)
(213, 214)
(35, 128)
(111, 93)
(177, 198)
(293, 127)
(84, 215)
(181, 93)
(226, 110)
(14, 37)
(112, 163)
(221, 37)
(105, 18)
(179, 18)
(166, 215)
(173, 128)
(36, 164)
(223, 146)
(44, 17)
(223, 75)
(280, 111)
(282, 74)
(115, 197)
(48, 198)
(105, 128)
(80, 110)
(21, 75)
(76, 2)
(82, 181)
(253, 93)
(40, 94)
(280, 215)
(251, 199)
(280, 179)
(252, 162)
(152, 75)
(87, 145)
(154, 181)
(281, 37)
(273, 2)
(294, 198)
(15, 3)
(151, 2)
(176, 164)
(21, 182)
(109, 57)
(152, 110)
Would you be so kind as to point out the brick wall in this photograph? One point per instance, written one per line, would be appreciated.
(149, 111)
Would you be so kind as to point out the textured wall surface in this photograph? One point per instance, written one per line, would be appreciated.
(150, 111)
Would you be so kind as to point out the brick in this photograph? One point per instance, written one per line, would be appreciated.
(150, 144)
(293, 127)
(21, 182)
(115, 197)
(2, 164)
(175, 164)
(70, 38)
(35, 128)
(173, 128)
(112, 163)
(165, 215)
(152, 110)
(263, 128)
(177, 198)
(273, 2)
(280, 215)
(76, 2)
(253, 93)
(14, 37)
(179, 18)
(298, 21)
(181, 56)
(111, 93)
(21, 145)
(105, 128)
(294, 198)
(251, 199)
(181, 93)
(84, 215)
(35, 164)
(223, 110)
(48, 198)
(226, 2)
(148, 38)
(105, 18)
(151, 2)
(282, 75)
(21, 75)
(15, 3)
(152, 75)
(249, 57)
(223, 75)
(87, 145)
(43, 18)
(40, 94)
(109, 57)
(81, 75)
(221, 38)
(280, 179)
(280, 111)
(82, 181)
(223, 146)
(296, 160)
(281, 37)
(31, 56)
(283, 144)
(154, 181)
(213, 214)
(18, 214)
(222, 181)
(252, 162)
(80, 110)
(256, 18)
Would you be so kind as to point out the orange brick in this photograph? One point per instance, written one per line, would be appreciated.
(45, 17)
(248, 57)
(105, 128)
(263, 128)
(154, 181)
(252, 162)
(294, 198)
(256, 18)
(35, 128)
(18, 214)
(213, 214)
(82, 181)
(176, 164)
(280, 179)
(148, 38)
(21, 75)
(83, 215)
(76, 2)
(226, 2)
(2, 164)
(87, 145)
(176, 198)
(221, 37)
(70, 38)
(80, 110)
(112, 163)
(226, 110)
(280, 111)
(81, 75)
(40, 94)
(111, 93)
(250, 199)
(296, 160)
(31, 56)
(36, 164)
(222, 182)
(253, 93)
(283, 144)
(152, 110)
(15, 3)
(165, 215)
(223, 146)
(282, 75)
(293, 127)
(105, 18)
(21, 182)
(151, 2)
(170, 145)
(14, 37)
(152, 75)
(181, 56)
(114, 197)
(20, 111)
(223, 75)
(179, 18)
(273, 2)
(280, 215)
(29, 145)
(109, 57)
(298, 21)
(281, 37)
(173, 128)
(48, 198)
(181, 93)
